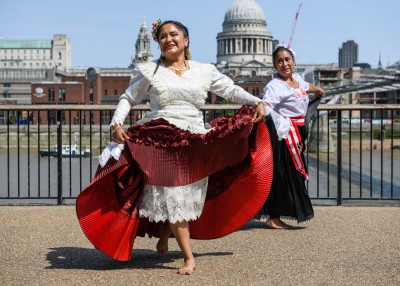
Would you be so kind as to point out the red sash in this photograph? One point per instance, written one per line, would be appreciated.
(295, 145)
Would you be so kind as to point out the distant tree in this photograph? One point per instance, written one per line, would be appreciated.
(12, 119)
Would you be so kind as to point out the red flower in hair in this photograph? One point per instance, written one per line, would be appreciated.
(155, 27)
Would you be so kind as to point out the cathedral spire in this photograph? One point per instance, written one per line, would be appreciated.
(142, 47)
(380, 62)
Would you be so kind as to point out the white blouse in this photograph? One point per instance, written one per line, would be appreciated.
(178, 99)
(285, 102)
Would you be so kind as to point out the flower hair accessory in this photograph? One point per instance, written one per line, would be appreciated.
(155, 27)
(286, 47)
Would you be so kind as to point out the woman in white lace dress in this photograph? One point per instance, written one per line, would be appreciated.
(173, 188)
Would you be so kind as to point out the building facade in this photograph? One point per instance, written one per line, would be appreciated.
(244, 47)
(25, 61)
(348, 54)
(80, 86)
(36, 54)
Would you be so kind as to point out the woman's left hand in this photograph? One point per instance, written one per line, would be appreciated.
(260, 113)
(320, 92)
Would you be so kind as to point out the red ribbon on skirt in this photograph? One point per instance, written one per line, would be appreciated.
(295, 145)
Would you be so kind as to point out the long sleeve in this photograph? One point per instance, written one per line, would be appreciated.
(282, 124)
(271, 97)
(135, 93)
(223, 86)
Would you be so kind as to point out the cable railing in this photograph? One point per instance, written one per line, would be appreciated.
(48, 153)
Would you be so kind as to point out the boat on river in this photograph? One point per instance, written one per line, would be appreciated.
(67, 151)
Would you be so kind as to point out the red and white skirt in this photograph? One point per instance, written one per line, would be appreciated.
(236, 156)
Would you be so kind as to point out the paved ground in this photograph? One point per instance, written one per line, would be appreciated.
(43, 245)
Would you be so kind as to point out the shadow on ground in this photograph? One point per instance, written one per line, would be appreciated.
(93, 259)
(260, 224)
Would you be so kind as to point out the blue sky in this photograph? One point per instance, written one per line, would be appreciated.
(103, 32)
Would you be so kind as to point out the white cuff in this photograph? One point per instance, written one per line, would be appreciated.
(114, 150)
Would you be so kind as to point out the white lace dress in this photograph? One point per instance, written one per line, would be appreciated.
(177, 100)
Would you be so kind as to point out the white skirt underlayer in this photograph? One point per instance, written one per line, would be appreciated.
(175, 204)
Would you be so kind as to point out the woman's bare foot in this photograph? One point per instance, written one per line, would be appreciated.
(188, 267)
(276, 223)
(162, 244)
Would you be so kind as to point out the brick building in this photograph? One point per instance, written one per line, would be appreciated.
(79, 86)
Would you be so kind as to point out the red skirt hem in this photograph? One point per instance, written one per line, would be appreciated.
(240, 176)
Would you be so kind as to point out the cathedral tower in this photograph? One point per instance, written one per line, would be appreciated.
(142, 47)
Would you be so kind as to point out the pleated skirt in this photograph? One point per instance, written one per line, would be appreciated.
(236, 156)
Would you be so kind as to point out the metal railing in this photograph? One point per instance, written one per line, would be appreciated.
(350, 160)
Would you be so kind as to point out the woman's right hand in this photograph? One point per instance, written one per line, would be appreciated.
(119, 134)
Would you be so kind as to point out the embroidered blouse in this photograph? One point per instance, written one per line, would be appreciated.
(285, 101)
(178, 99)
(174, 98)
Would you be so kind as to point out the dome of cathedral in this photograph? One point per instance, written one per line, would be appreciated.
(244, 10)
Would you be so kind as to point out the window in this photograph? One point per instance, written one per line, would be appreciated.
(91, 95)
(51, 94)
(60, 94)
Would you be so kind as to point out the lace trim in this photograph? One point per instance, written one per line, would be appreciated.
(206, 79)
(174, 204)
(156, 81)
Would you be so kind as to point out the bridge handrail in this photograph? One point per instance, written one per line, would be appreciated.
(102, 107)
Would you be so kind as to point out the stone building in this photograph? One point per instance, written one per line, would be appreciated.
(244, 47)
(142, 47)
(36, 54)
(25, 61)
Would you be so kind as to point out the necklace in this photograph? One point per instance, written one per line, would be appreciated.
(178, 71)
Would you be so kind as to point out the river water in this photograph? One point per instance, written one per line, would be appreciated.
(31, 176)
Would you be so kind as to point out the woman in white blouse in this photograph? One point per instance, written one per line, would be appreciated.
(172, 185)
(287, 102)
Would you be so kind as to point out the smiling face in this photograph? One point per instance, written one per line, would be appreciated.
(284, 64)
(172, 42)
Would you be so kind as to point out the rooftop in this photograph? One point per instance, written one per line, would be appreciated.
(26, 44)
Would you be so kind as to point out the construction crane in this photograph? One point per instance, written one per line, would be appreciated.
(294, 26)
